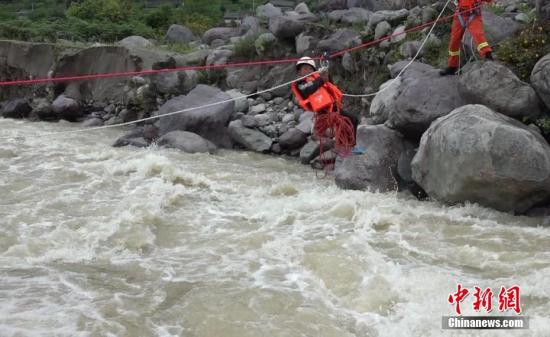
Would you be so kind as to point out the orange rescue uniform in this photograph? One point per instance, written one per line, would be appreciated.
(326, 97)
(469, 18)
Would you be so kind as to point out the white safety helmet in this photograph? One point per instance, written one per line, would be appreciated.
(306, 60)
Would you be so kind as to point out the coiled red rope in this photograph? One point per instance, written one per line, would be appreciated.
(333, 124)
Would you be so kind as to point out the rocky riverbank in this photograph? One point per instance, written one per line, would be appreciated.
(469, 138)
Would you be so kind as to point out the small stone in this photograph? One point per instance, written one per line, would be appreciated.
(110, 109)
(113, 120)
(249, 121)
(382, 29)
(278, 100)
(522, 17)
(257, 109)
(138, 81)
(265, 119)
(92, 122)
(266, 96)
(276, 148)
(288, 118)
(399, 34)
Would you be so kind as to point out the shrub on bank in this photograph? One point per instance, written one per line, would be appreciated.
(522, 52)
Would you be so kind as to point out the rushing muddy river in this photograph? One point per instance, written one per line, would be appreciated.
(102, 241)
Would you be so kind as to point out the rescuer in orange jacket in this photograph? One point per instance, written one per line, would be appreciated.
(316, 93)
(467, 16)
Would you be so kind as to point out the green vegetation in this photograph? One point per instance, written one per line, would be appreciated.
(437, 54)
(245, 48)
(109, 20)
(544, 125)
(522, 52)
(180, 48)
(497, 9)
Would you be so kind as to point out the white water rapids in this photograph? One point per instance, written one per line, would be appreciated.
(102, 241)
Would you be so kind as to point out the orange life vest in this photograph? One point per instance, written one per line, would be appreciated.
(327, 97)
(467, 4)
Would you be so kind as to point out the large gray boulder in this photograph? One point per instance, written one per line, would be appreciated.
(497, 29)
(404, 171)
(268, 11)
(197, 57)
(43, 110)
(302, 9)
(93, 122)
(241, 102)
(336, 15)
(495, 86)
(389, 16)
(250, 139)
(382, 29)
(252, 26)
(356, 16)
(106, 59)
(418, 67)
(382, 103)
(411, 48)
(36, 59)
(348, 63)
(135, 42)
(422, 97)
(237, 77)
(264, 43)
(398, 34)
(278, 75)
(376, 169)
(340, 39)
(179, 34)
(287, 26)
(150, 58)
(189, 80)
(305, 43)
(24, 60)
(306, 122)
(19, 108)
(186, 141)
(351, 16)
(220, 33)
(209, 122)
(540, 79)
(292, 139)
(140, 136)
(175, 83)
(309, 152)
(167, 83)
(218, 56)
(475, 154)
(96, 60)
(67, 108)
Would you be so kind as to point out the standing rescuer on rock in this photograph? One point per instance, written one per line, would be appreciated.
(317, 94)
(467, 16)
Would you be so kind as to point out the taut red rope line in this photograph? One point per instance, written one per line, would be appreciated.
(142, 72)
(213, 66)
(387, 37)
